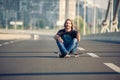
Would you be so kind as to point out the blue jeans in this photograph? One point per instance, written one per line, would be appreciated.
(68, 46)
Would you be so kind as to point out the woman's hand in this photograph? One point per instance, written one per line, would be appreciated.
(57, 37)
(60, 39)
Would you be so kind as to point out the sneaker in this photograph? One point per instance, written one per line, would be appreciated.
(67, 56)
(61, 55)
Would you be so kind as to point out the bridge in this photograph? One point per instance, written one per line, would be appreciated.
(32, 54)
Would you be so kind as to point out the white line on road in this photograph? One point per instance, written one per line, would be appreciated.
(80, 48)
(11, 41)
(93, 55)
(0, 44)
(113, 67)
(6, 43)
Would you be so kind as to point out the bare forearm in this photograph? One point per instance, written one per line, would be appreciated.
(57, 37)
(78, 36)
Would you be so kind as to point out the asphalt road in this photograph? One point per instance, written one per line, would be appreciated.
(37, 60)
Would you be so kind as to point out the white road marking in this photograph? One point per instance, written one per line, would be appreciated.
(80, 48)
(17, 40)
(113, 67)
(6, 43)
(93, 55)
(11, 41)
(0, 44)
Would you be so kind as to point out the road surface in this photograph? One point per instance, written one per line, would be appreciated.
(37, 60)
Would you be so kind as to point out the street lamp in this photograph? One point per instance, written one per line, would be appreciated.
(6, 19)
(78, 13)
(94, 18)
(84, 27)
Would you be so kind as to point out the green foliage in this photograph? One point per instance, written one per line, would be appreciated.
(79, 21)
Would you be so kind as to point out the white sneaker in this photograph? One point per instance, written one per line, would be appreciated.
(67, 56)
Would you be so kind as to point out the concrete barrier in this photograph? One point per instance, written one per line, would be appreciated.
(113, 36)
(35, 36)
(14, 36)
(24, 34)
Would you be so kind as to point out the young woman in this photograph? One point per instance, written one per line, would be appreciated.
(67, 39)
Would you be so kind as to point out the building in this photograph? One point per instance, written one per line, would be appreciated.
(67, 9)
(8, 11)
(38, 13)
(31, 12)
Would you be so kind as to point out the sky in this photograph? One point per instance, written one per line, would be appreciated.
(101, 3)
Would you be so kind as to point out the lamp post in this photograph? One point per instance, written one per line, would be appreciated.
(95, 23)
(78, 13)
(84, 27)
(6, 19)
(15, 26)
(94, 18)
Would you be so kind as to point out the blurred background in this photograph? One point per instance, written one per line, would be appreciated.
(87, 15)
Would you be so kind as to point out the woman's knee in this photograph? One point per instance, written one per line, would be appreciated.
(75, 40)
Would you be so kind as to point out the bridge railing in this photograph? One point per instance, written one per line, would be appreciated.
(114, 36)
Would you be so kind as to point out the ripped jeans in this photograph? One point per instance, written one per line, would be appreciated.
(68, 45)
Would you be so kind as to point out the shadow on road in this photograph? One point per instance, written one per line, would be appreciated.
(57, 73)
(28, 56)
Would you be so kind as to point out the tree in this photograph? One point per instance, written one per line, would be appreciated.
(79, 25)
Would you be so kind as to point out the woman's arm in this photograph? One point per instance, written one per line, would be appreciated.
(78, 36)
(57, 37)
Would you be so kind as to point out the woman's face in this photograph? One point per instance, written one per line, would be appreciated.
(68, 24)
